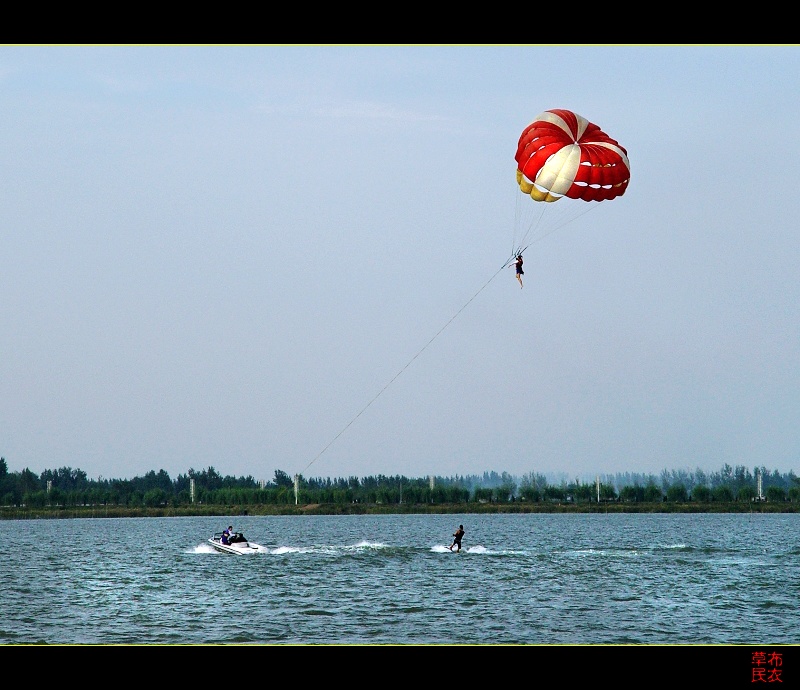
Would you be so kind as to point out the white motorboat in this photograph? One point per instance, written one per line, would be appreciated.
(237, 543)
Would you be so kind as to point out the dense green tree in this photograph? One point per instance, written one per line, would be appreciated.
(531, 487)
(152, 481)
(677, 493)
(607, 492)
(35, 499)
(631, 494)
(776, 494)
(722, 494)
(701, 494)
(652, 494)
(57, 497)
(207, 479)
(29, 482)
(746, 493)
(555, 493)
(65, 478)
(741, 478)
(155, 497)
(582, 492)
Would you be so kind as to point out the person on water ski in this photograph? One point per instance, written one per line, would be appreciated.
(458, 535)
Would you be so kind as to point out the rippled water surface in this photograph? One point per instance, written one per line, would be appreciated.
(520, 579)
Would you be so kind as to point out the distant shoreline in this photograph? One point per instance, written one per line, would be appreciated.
(73, 512)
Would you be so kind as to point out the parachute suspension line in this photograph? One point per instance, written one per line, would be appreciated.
(567, 220)
(516, 253)
(531, 225)
(553, 224)
(408, 364)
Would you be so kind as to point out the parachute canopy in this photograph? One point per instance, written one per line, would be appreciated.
(563, 154)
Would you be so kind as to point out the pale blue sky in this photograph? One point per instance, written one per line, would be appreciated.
(251, 257)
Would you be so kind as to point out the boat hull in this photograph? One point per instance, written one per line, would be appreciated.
(238, 548)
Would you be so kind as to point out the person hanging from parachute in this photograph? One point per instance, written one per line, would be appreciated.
(562, 154)
(518, 265)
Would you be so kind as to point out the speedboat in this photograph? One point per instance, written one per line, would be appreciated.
(237, 543)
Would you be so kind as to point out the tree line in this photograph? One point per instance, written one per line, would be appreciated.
(71, 487)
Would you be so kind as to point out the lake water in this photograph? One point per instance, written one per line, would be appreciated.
(545, 579)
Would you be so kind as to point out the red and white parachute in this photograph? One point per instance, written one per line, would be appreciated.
(561, 154)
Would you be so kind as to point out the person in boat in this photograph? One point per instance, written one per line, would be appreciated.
(518, 265)
(458, 535)
(226, 535)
